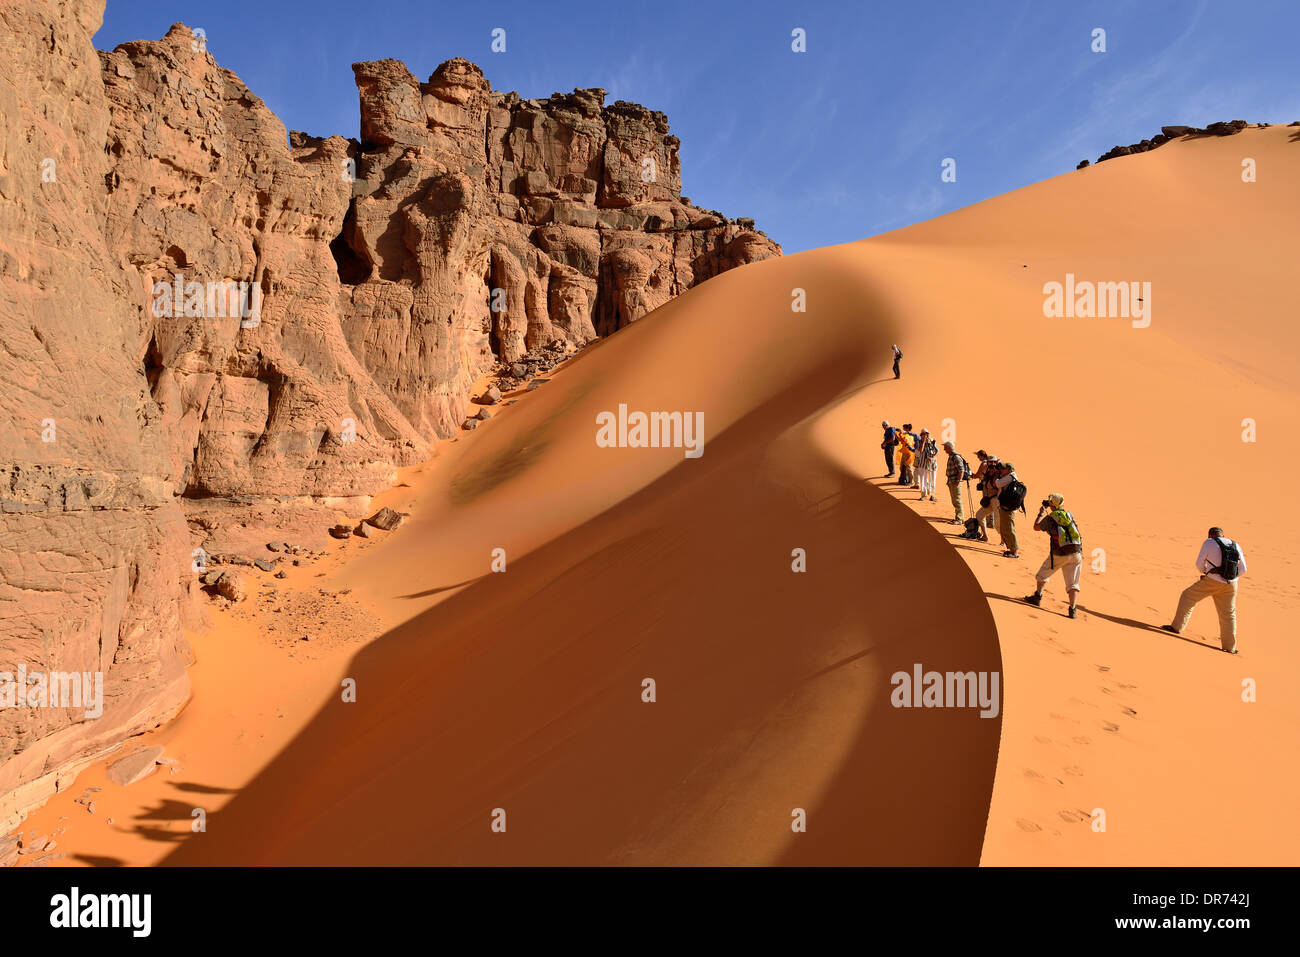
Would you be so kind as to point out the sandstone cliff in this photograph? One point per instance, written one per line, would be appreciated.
(466, 229)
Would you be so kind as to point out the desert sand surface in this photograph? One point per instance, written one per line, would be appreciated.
(522, 690)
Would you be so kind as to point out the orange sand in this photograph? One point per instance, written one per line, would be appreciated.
(522, 690)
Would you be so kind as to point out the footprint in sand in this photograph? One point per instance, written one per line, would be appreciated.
(1075, 770)
(1026, 825)
(1127, 687)
(1129, 711)
(1082, 740)
(1103, 667)
(1074, 816)
(1109, 726)
(1042, 739)
(1031, 773)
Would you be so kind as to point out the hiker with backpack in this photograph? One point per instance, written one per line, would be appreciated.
(987, 513)
(906, 455)
(1065, 553)
(889, 444)
(1221, 563)
(956, 472)
(1010, 493)
(898, 358)
(927, 464)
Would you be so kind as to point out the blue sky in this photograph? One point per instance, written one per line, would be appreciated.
(837, 143)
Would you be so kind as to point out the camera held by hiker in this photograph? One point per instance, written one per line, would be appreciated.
(1065, 553)
(1221, 563)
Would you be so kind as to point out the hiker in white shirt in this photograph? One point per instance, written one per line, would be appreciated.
(1222, 563)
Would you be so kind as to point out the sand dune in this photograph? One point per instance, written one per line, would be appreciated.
(522, 690)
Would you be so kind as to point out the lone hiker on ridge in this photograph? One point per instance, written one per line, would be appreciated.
(1065, 553)
(898, 358)
(1221, 563)
(891, 440)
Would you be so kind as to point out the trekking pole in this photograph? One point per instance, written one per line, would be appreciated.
(970, 502)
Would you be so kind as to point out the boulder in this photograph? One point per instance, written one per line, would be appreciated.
(230, 585)
(386, 519)
(134, 767)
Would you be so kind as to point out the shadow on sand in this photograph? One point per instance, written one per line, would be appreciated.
(524, 692)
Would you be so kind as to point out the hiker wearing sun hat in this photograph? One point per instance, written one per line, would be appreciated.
(1011, 496)
(927, 464)
(1065, 552)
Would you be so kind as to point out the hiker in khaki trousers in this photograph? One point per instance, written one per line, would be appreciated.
(1221, 563)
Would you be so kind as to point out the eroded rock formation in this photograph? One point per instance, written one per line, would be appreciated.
(198, 306)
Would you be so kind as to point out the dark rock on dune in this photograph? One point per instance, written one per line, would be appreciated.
(1226, 128)
(341, 531)
(1168, 133)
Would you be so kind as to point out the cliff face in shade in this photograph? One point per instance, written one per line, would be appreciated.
(467, 227)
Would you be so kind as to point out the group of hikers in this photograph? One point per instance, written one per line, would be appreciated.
(1002, 494)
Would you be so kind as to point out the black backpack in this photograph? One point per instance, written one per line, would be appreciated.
(1229, 566)
(1013, 496)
